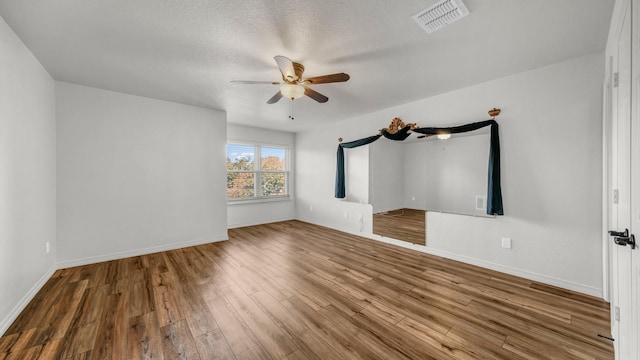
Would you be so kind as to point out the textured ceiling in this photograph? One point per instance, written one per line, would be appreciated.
(188, 51)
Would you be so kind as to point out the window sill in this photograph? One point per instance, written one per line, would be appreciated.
(258, 200)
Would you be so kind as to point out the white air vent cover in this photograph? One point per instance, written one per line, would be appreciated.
(441, 14)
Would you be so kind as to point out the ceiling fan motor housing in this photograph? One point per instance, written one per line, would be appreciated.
(298, 69)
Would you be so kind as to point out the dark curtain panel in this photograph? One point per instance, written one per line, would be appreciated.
(340, 187)
(494, 191)
(456, 129)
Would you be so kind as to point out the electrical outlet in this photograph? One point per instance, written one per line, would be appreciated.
(47, 247)
(506, 243)
(346, 215)
(310, 207)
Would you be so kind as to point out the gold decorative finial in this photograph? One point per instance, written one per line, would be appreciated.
(494, 112)
(397, 124)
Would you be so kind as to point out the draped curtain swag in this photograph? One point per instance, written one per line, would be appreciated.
(494, 190)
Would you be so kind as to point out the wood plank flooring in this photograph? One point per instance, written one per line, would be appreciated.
(402, 224)
(292, 290)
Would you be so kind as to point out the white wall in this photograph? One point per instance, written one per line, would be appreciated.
(136, 175)
(550, 132)
(246, 214)
(316, 171)
(27, 175)
(431, 174)
(415, 173)
(386, 164)
(457, 171)
(356, 163)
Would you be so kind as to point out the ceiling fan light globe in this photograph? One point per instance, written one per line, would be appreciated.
(292, 91)
(443, 136)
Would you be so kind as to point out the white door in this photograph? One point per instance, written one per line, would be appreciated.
(634, 270)
(621, 207)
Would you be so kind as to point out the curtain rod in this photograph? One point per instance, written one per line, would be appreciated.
(397, 124)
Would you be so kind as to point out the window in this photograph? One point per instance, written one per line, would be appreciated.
(257, 172)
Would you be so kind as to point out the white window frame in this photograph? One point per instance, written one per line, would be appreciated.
(257, 188)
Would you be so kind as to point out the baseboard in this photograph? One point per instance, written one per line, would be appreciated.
(331, 226)
(138, 252)
(568, 285)
(379, 211)
(233, 226)
(22, 304)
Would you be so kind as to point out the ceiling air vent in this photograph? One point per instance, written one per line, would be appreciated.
(441, 14)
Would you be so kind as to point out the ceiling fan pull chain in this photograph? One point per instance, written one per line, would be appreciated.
(291, 110)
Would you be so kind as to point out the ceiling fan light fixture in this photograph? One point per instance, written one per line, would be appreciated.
(444, 136)
(292, 91)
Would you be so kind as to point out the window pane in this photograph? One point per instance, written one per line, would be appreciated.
(272, 159)
(240, 184)
(240, 157)
(273, 184)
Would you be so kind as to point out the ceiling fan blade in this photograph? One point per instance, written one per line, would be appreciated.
(339, 77)
(254, 82)
(275, 98)
(315, 95)
(286, 68)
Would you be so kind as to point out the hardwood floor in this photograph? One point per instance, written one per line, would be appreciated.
(292, 290)
(402, 224)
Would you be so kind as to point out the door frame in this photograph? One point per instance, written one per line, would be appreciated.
(609, 149)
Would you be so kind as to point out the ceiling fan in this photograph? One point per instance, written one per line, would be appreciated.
(293, 86)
